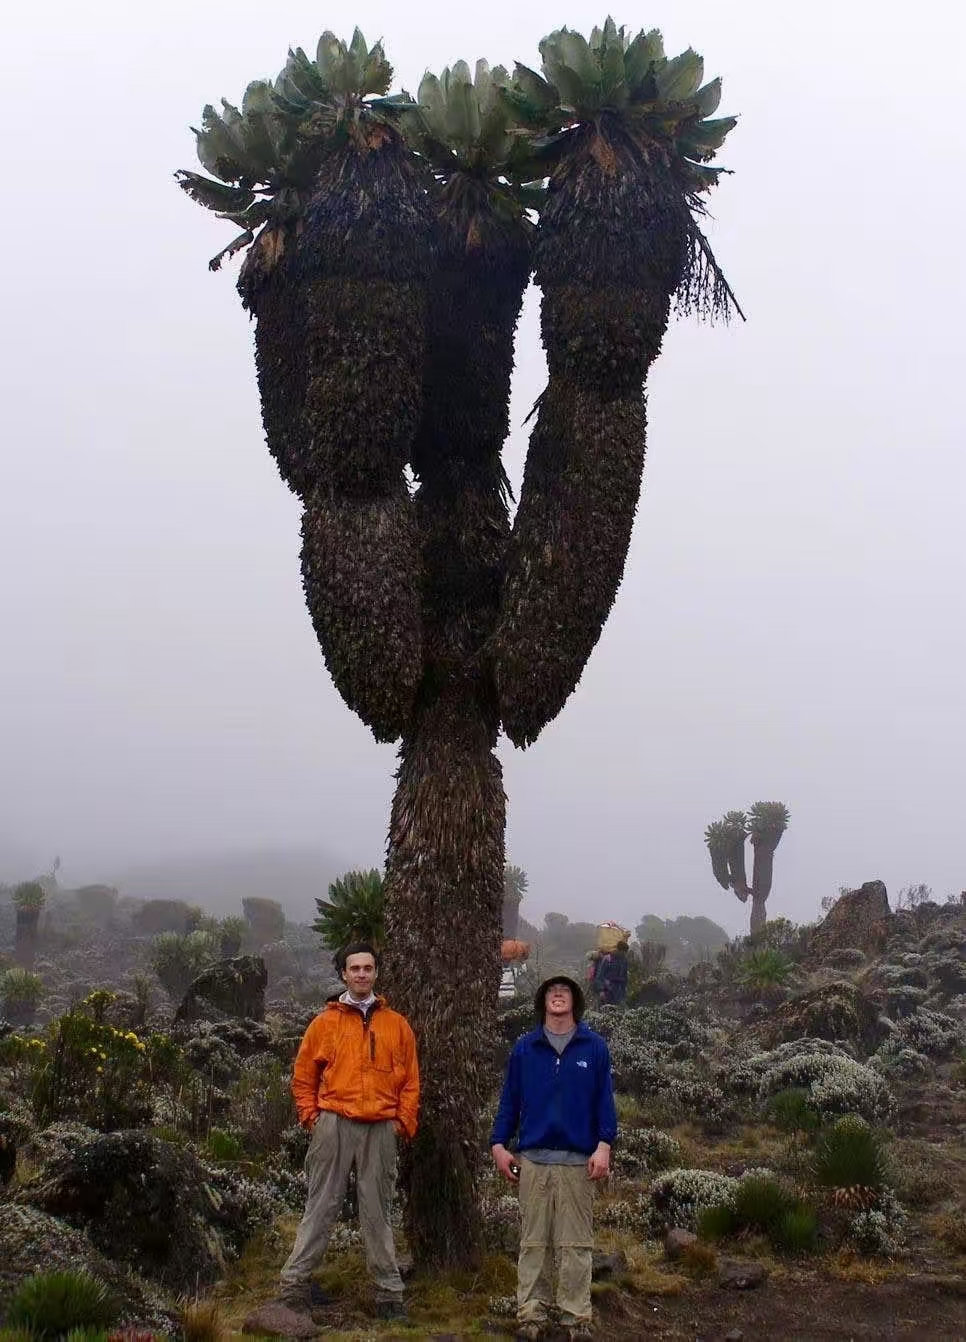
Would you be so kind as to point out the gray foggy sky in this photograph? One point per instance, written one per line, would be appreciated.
(791, 620)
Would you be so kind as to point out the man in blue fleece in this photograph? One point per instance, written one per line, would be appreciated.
(559, 1095)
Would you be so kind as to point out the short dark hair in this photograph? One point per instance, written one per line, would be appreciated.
(354, 948)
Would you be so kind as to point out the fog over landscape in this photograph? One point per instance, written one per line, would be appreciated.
(790, 626)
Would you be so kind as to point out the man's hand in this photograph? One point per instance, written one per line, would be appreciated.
(503, 1159)
(598, 1166)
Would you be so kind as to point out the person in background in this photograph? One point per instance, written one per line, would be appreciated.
(356, 1088)
(590, 974)
(559, 1097)
(611, 977)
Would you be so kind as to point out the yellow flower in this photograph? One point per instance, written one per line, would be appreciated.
(100, 1069)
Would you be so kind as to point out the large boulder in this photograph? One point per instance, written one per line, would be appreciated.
(229, 988)
(32, 1241)
(860, 919)
(141, 1202)
(835, 1011)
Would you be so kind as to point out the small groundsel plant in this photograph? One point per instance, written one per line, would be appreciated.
(850, 1163)
(764, 970)
(225, 1146)
(791, 1111)
(178, 958)
(20, 992)
(51, 1304)
(29, 895)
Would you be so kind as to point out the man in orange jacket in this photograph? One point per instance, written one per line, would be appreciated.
(356, 1088)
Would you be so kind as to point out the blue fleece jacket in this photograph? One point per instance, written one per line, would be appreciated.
(563, 1103)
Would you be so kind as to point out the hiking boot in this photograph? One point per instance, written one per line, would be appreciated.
(529, 1332)
(392, 1309)
(318, 1298)
(579, 1332)
(296, 1297)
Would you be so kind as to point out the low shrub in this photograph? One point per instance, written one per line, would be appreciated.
(797, 1231)
(641, 1151)
(763, 1206)
(932, 1032)
(791, 1111)
(224, 1146)
(834, 1082)
(51, 1304)
(880, 1230)
(678, 1199)
(95, 1074)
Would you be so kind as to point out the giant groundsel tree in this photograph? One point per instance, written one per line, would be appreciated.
(389, 243)
(764, 824)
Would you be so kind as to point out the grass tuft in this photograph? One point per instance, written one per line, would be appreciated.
(201, 1321)
(52, 1304)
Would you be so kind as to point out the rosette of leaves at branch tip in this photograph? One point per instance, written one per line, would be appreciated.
(463, 127)
(767, 822)
(263, 169)
(336, 279)
(736, 830)
(718, 841)
(627, 144)
(360, 567)
(365, 253)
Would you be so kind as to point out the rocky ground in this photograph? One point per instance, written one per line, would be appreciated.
(151, 1140)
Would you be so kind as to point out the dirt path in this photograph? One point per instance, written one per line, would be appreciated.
(809, 1309)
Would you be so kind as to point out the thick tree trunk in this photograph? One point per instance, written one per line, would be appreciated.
(758, 914)
(444, 894)
(761, 881)
(25, 937)
(511, 916)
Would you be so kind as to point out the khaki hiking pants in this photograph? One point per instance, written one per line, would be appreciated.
(336, 1143)
(557, 1207)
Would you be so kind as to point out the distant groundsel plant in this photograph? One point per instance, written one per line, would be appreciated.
(764, 824)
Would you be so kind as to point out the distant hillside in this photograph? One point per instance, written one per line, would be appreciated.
(220, 881)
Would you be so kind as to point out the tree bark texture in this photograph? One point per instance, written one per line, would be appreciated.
(444, 896)
(25, 937)
(608, 256)
(761, 880)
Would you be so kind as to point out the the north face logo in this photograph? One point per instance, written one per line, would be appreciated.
(581, 1062)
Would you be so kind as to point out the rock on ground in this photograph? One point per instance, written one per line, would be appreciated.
(229, 988)
(142, 1202)
(277, 1320)
(32, 1242)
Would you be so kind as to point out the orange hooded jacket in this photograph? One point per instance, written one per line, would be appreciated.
(361, 1069)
